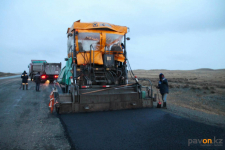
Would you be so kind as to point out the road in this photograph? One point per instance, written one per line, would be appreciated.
(137, 129)
(25, 123)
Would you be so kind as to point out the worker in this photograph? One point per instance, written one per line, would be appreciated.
(164, 88)
(37, 79)
(24, 77)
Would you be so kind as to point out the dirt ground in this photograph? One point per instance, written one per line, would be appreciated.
(201, 89)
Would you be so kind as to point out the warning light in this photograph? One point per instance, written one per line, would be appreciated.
(56, 76)
(105, 86)
(43, 76)
(135, 76)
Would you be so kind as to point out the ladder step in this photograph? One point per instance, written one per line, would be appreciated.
(100, 80)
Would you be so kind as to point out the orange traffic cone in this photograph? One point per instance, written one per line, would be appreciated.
(51, 103)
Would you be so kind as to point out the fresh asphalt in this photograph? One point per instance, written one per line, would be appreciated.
(25, 123)
(149, 128)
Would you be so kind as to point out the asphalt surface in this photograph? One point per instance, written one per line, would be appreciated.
(25, 119)
(26, 123)
(137, 129)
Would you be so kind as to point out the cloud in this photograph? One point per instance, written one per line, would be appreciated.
(190, 50)
(37, 30)
(155, 17)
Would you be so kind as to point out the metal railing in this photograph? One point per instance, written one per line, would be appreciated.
(147, 87)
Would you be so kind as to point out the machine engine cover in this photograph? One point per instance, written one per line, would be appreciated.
(109, 60)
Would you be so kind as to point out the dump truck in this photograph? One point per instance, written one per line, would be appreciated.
(95, 77)
(48, 71)
(36, 66)
(51, 71)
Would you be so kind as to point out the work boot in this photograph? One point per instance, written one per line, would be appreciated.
(23, 87)
(164, 105)
(27, 87)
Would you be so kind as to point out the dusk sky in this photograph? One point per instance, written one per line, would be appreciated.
(165, 34)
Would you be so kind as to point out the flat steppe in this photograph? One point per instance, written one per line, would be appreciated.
(2, 74)
(201, 89)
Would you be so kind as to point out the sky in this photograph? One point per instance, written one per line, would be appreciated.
(165, 34)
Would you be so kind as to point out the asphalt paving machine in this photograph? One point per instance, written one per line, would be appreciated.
(95, 77)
